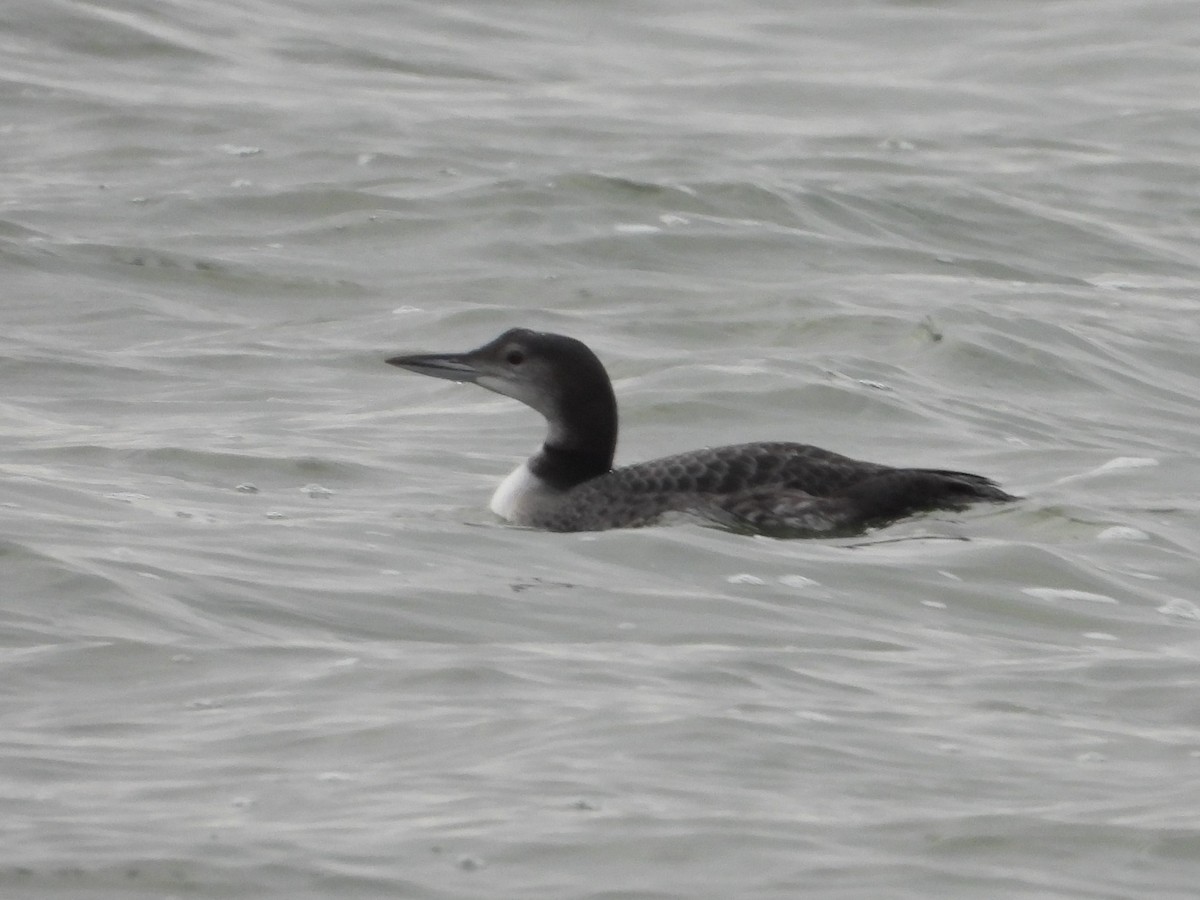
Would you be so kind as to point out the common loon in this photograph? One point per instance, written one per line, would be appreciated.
(768, 487)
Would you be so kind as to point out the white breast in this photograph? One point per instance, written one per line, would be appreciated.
(516, 493)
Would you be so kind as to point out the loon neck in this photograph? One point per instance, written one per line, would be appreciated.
(564, 467)
(581, 415)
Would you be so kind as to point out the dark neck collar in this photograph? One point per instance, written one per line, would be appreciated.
(564, 467)
(581, 445)
(583, 431)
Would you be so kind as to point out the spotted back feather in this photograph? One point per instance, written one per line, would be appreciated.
(770, 487)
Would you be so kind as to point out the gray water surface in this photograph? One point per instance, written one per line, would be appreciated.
(260, 636)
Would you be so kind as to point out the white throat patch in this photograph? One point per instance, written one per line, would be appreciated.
(515, 493)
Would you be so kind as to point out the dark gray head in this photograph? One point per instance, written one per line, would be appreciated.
(558, 376)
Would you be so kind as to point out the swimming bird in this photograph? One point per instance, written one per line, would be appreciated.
(774, 487)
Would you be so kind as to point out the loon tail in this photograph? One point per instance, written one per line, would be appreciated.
(899, 492)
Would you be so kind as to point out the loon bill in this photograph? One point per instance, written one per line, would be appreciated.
(767, 487)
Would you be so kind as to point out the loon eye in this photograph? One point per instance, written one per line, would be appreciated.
(514, 357)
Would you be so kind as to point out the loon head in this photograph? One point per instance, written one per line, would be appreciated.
(556, 375)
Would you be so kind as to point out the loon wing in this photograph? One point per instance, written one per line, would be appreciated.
(877, 497)
(765, 488)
